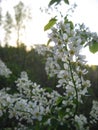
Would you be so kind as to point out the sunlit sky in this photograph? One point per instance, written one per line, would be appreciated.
(86, 12)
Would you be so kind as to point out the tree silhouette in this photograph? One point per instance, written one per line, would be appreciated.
(22, 14)
(8, 25)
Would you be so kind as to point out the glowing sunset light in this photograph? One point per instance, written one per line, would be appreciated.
(85, 12)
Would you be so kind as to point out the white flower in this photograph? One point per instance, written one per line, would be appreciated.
(38, 112)
(80, 121)
(65, 36)
(4, 71)
(94, 112)
(52, 67)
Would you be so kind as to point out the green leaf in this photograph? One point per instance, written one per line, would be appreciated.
(61, 112)
(59, 101)
(66, 1)
(93, 47)
(57, 2)
(54, 1)
(49, 90)
(50, 24)
(48, 42)
(66, 20)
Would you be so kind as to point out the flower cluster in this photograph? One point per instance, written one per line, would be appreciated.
(80, 122)
(31, 103)
(68, 64)
(39, 108)
(94, 112)
(86, 35)
(66, 61)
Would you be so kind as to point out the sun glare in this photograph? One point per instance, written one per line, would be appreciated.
(92, 59)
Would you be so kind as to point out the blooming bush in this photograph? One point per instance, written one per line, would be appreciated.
(33, 107)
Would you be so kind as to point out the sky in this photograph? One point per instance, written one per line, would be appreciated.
(86, 12)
